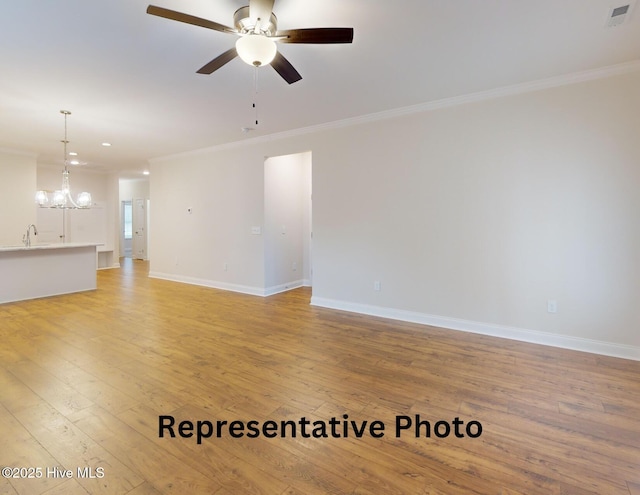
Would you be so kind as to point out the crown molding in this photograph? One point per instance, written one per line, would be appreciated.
(515, 89)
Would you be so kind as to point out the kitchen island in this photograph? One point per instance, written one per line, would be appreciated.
(43, 270)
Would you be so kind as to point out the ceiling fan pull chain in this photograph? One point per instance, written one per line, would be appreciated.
(255, 93)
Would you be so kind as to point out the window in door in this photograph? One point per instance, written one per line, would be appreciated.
(127, 219)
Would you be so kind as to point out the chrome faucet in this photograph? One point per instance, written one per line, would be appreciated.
(26, 239)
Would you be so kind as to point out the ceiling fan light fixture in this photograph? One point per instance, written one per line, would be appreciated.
(256, 49)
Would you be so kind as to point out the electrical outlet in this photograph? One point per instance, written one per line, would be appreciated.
(226, 267)
(376, 285)
(294, 266)
(552, 306)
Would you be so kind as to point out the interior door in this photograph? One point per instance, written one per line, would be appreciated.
(139, 229)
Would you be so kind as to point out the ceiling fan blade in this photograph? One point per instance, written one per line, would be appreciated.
(261, 9)
(189, 19)
(317, 35)
(285, 69)
(218, 62)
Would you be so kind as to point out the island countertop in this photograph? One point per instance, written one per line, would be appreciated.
(43, 270)
(53, 245)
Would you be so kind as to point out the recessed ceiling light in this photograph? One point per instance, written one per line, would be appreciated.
(73, 153)
(146, 172)
(74, 162)
(106, 144)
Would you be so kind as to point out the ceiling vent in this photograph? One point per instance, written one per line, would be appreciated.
(620, 14)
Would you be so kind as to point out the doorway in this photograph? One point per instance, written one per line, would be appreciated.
(127, 229)
(139, 223)
(287, 221)
(134, 218)
(134, 228)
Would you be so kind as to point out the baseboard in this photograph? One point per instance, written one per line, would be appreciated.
(513, 333)
(276, 289)
(244, 289)
(117, 265)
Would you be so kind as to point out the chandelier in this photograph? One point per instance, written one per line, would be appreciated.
(62, 197)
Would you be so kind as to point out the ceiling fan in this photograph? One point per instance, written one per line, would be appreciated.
(257, 28)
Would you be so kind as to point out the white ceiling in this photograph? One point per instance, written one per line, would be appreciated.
(130, 78)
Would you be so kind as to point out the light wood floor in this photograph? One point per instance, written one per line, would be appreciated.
(85, 377)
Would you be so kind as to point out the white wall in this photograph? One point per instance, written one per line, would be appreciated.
(134, 188)
(17, 195)
(307, 217)
(471, 216)
(113, 219)
(225, 193)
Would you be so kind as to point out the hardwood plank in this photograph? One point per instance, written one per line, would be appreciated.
(74, 450)
(69, 487)
(61, 396)
(232, 472)
(507, 491)
(14, 394)
(464, 457)
(634, 488)
(605, 418)
(154, 463)
(226, 458)
(144, 489)
(20, 449)
(573, 456)
(6, 488)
